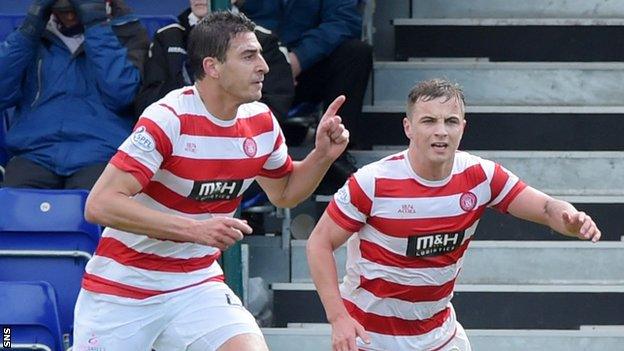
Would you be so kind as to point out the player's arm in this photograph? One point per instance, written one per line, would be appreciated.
(288, 191)
(331, 140)
(110, 204)
(326, 237)
(533, 205)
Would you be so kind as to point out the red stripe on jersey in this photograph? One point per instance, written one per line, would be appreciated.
(504, 204)
(375, 253)
(396, 157)
(202, 169)
(345, 222)
(163, 143)
(188, 92)
(385, 289)
(459, 183)
(163, 195)
(499, 178)
(120, 253)
(101, 285)
(201, 125)
(395, 325)
(359, 199)
(280, 172)
(403, 228)
(126, 163)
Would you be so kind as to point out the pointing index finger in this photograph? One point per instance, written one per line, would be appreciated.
(333, 108)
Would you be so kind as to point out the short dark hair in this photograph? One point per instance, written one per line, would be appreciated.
(432, 89)
(211, 38)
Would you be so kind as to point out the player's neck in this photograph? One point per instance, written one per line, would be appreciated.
(219, 104)
(427, 169)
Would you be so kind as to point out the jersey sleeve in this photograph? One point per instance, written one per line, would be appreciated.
(279, 164)
(504, 187)
(149, 145)
(352, 204)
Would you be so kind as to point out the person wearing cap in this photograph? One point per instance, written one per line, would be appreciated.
(71, 71)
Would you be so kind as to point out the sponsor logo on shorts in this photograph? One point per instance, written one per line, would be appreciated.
(468, 201)
(433, 244)
(92, 344)
(142, 139)
(250, 147)
(215, 190)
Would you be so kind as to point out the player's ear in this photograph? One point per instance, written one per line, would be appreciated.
(211, 67)
(407, 126)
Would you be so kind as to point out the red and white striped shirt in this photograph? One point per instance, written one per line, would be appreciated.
(411, 236)
(190, 164)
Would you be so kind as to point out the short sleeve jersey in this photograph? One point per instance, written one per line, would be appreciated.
(189, 164)
(411, 236)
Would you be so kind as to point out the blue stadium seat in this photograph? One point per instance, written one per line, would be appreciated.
(44, 236)
(29, 309)
(46, 219)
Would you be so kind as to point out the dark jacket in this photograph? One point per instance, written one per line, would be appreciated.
(166, 68)
(312, 29)
(71, 111)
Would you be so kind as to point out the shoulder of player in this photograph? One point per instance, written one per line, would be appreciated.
(254, 109)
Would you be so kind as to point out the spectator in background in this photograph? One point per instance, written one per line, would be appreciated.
(327, 58)
(167, 66)
(71, 70)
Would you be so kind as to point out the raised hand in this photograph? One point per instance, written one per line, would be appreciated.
(90, 12)
(36, 18)
(331, 135)
(220, 232)
(582, 225)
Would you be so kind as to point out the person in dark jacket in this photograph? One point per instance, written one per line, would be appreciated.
(167, 67)
(326, 53)
(71, 71)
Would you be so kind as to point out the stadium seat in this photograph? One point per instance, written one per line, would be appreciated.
(44, 236)
(45, 219)
(29, 309)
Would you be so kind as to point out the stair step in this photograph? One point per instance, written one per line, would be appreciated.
(487, 306)
(517, 9)
(319, 338)
(508, 83)
(510, 39)
(538, 263)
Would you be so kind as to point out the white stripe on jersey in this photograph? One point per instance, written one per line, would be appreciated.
(445, 206)
(222, 148)
(277, 159)
(153, 204)
(163, 248)
(410, 276)
(428, 341)
(107, 268)
(390, 307)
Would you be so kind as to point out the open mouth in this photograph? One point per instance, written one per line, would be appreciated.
(439, 145)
